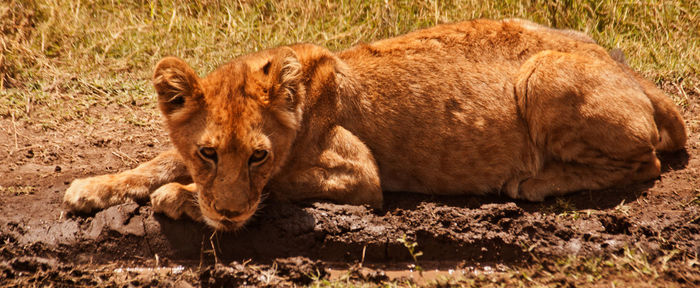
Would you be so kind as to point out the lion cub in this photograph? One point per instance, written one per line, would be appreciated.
(469, 108)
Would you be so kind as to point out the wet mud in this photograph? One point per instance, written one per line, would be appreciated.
(298, 243)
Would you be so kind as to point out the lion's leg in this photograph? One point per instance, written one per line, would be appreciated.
(591, 122)
(558, 178)
(89, 194)
(176, 200)
(344, 171)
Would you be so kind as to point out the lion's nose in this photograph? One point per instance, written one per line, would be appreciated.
(226, 212)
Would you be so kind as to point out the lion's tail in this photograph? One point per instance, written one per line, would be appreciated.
(672, 134)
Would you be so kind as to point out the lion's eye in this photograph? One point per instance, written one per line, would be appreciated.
(258, 157)
(208, 153)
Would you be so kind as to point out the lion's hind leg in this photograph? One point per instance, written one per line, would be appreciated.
(591, 122)
(558, 178)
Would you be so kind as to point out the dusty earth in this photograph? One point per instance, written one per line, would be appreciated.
(650, 228)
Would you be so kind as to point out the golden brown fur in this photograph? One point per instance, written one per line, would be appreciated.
(469, 108)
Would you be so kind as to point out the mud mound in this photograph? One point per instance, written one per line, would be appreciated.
(346, 233)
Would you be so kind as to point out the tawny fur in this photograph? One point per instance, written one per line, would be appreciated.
(476, 107)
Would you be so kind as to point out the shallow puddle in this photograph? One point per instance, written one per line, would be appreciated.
(424, 273)
(171, 270)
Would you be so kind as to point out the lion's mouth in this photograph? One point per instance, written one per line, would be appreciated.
(223, 222)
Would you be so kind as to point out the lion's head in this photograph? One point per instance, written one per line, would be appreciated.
(233, 128)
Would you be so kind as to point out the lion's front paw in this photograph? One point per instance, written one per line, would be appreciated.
(87, 195)
(95, 193)
(175, 200)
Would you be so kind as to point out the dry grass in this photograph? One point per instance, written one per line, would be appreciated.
(16, 190)
(60, 58)
(630, 269)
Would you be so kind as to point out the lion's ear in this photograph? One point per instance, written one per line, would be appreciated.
(287, 81)
(175, 82)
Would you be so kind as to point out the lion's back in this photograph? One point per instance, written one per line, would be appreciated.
(439, 103)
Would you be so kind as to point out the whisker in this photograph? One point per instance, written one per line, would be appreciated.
(264, 197)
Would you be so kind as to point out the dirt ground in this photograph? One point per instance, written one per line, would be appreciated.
(648, 231)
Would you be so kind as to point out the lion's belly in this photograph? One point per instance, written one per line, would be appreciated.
(473, 155)
(455, 133)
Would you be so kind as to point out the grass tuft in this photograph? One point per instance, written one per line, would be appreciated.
(80, 54)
